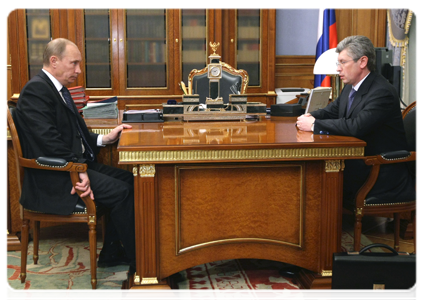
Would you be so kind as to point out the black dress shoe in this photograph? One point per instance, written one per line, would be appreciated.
(132, 269)
(289, 271)
(112, 255)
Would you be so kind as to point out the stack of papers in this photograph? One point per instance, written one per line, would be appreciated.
(101, 109)
(79, 97)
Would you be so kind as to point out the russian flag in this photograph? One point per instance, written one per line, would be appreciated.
(327, 39)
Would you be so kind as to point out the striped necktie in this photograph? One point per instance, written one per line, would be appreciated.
(69, 102)
(351, 99)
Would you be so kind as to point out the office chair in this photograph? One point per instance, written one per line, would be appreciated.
(364, 205)
(232, 81)
(85, 211)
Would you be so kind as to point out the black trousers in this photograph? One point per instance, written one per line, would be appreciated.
(113, 188)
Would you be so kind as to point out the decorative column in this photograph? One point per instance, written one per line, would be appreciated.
(145, 283)
(331, 206)
(146, 225)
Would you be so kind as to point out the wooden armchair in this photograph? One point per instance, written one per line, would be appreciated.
(85, 212)
(231, 78)
(363, 206)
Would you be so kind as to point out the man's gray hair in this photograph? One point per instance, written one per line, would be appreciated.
(358, 46)
(56, 47)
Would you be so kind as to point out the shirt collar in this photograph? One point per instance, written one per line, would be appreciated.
(56, 82)
(357, 86)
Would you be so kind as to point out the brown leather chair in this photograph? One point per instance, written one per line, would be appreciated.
(231, 78)
(85, 212)
(400, 205)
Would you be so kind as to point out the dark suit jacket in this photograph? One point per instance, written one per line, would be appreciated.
(375, 117)
(47, 127)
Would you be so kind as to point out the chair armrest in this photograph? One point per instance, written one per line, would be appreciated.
(393, 157)
(396, 155)
(52, 164)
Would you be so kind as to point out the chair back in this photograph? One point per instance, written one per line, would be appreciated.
(231, 78)
(11, 117)
(409, 119)
(410, 127)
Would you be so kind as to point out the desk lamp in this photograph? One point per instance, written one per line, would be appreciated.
(326, 65)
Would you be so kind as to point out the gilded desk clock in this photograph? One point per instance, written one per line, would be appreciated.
(214, 73)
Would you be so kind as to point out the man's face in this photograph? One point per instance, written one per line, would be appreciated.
(67, 69)
(350, 71)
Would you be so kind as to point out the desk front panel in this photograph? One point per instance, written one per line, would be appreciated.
(247, 210)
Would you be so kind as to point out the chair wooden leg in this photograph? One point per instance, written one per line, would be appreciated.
(396, 231)
(357, 231)
(24, 248)
(93, 254)
(36, 230)
(416, 231)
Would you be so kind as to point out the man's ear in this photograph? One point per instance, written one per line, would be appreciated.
(53, 60)
(364, 61)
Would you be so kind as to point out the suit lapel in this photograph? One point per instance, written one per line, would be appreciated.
(55, 91)
(362, 91)
(73, 117)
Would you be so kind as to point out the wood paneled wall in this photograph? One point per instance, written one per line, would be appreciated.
(7, 64)
(290, 71)
(297, 71)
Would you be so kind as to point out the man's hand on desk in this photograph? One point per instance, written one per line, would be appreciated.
(113, 135)
(305, 122)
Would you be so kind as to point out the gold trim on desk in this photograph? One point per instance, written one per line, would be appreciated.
(238, 155)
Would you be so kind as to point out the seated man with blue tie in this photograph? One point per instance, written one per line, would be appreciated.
(368, 108)
(49, 125)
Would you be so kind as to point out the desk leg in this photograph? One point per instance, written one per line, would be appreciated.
(331, 232)
(146, 233)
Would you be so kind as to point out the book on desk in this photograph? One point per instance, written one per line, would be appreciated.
(101, 109)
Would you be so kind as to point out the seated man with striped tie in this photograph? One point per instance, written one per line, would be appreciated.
(49, 125)
(368, 108)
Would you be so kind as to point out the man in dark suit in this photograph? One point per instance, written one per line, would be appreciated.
(368, 108)
(50, 127)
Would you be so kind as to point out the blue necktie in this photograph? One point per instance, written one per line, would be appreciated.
(69, 102)
(351, 98)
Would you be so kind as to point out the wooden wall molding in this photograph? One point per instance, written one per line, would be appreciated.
(294, 71)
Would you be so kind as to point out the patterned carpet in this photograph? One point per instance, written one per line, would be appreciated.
(64, 264)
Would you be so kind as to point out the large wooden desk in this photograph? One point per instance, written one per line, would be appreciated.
(207, 191)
